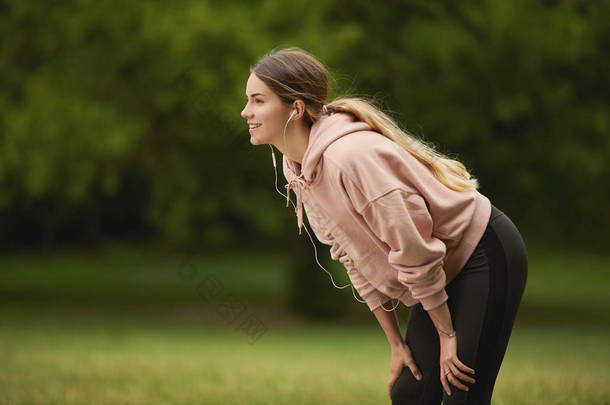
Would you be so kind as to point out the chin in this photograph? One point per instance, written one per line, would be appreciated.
(254, 140)
(258, 140)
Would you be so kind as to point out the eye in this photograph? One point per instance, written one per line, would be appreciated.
(258, 101)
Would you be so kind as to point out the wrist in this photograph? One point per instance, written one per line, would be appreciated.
(397, 344)
(446, 334)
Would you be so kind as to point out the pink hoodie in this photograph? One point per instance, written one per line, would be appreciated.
(399, 232)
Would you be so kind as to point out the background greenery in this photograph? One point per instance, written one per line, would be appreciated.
(135, 216)
(122, 119)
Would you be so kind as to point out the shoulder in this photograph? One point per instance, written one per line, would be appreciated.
(369, 165)
(362, 147)
(370, 152)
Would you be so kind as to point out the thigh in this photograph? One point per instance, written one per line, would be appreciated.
(507, 264)
(483, 301)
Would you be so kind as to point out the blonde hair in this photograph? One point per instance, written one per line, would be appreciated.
(293, 74)
(450, 172)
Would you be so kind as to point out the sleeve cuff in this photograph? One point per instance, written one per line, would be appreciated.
(376, 299)
(434, 300)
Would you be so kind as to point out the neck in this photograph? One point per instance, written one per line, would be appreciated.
(296, 141)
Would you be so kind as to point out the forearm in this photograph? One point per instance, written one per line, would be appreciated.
(389, 323)
(442, 319)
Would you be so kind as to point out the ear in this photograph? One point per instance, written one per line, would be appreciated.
(298, 105)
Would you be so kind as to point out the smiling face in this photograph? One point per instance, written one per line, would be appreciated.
(265, 112)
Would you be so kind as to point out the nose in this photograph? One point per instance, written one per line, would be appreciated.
(244, 112)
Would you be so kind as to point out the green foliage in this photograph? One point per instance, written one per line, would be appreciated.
(72, 358)
(516, 90)
(117, 116)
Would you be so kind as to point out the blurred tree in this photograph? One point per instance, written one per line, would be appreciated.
(518, 91)
(123, 118)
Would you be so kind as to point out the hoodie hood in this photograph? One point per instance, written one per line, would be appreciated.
(326, 130)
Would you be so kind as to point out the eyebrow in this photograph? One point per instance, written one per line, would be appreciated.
(255, 94)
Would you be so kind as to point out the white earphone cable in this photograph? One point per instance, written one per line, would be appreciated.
(304, 226)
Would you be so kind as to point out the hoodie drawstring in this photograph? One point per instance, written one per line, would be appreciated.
(298, 184)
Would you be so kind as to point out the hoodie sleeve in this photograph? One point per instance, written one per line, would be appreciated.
(373, 297)
(382, 182)
(400, 218)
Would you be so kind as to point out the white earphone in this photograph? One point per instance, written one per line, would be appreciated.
(295, 111)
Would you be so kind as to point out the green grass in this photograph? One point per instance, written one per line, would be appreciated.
(124, 327)
(74, 362)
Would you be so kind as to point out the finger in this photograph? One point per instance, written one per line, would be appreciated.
(415, 371)
(457, 373)
(464, 367)
(444, 383)
(456, 383)
(391, 384)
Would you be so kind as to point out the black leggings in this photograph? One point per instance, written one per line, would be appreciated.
(483, 302)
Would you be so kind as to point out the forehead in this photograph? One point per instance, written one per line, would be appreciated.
(256, 85)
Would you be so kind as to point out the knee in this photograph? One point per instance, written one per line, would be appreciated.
(457, 397)
(406, 389)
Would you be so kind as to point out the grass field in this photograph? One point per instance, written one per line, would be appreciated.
(122, 329)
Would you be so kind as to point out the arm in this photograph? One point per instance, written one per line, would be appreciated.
(442, 320)
(418, 257)
(373, 297)
(450, 366)
(389, 324)
(400, 218)
(317, 217)
(401, 354)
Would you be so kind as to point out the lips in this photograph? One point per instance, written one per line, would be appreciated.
(253, 127)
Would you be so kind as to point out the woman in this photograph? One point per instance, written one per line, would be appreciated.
(407, 223)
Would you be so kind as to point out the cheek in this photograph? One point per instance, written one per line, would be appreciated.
(271, 118)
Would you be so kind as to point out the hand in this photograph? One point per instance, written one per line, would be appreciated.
(401, 356)
(451, 367)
